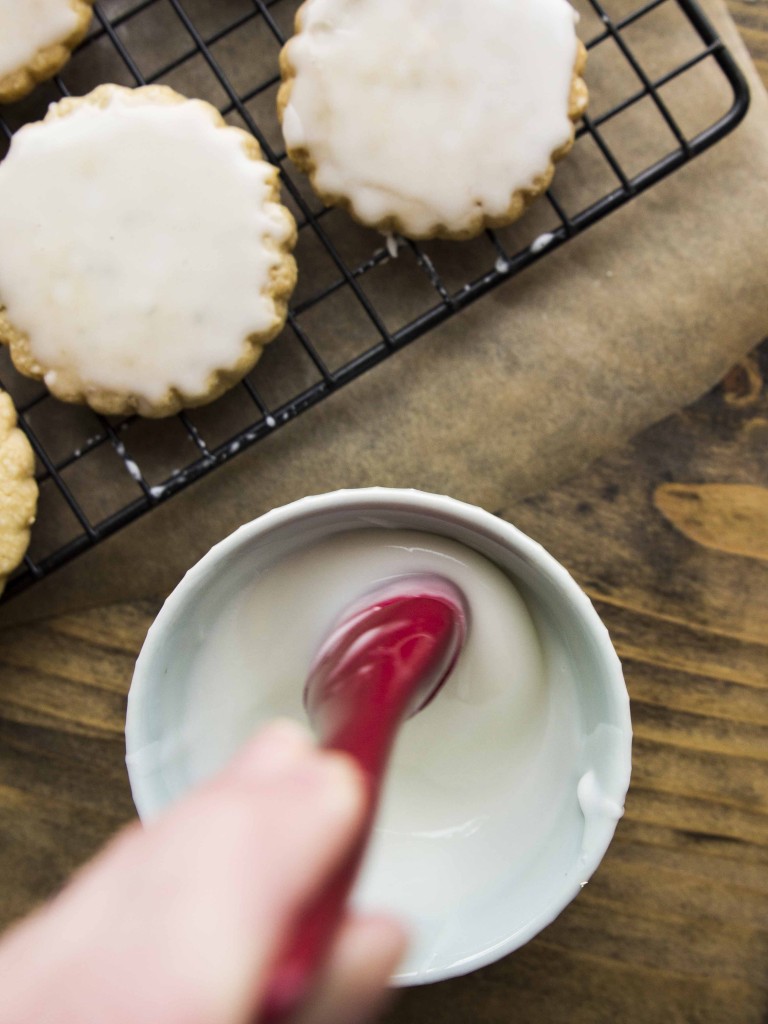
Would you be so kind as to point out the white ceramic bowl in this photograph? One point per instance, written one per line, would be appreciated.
(488, 903)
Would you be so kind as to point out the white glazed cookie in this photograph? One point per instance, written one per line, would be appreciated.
(433, 118)
(36, 39)
(145, 258)
(18, 490)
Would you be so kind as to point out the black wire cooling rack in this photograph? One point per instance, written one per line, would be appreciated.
(97, 474)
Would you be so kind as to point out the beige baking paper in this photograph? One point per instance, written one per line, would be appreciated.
(620, 327)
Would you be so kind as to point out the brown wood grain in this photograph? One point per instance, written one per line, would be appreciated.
(750, 16)
(674, 925)
(725, 517)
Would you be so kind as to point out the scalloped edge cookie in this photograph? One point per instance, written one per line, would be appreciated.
(68, 386)
(18, 490)
(48, 60)
(520, 199)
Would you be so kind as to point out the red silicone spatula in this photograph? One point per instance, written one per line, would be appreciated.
(382, 662)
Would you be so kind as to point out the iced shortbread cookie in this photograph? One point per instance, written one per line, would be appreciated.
(431, 117)
(36, 39)
(145, 258)
(18, 490)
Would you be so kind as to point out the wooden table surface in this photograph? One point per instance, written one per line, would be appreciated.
(669, 537)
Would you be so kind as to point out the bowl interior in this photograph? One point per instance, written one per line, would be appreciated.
(472, 893)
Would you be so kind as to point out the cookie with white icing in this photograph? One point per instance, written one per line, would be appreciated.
(145, 257)
(432, 118)
(37, 38)
(18, 490)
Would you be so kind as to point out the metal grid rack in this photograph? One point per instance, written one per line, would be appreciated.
(97, 474)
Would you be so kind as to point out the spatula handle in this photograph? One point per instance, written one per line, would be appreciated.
(312, 940)
(379, 666)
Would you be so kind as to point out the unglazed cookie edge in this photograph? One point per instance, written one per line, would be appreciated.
(18, 490)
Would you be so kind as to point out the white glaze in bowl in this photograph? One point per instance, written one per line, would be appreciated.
(480, 867)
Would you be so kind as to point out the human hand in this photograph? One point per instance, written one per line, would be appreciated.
(180, 922)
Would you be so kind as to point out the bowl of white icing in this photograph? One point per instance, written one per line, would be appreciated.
(503, 794)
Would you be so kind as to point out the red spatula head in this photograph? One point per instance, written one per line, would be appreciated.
(384, 661)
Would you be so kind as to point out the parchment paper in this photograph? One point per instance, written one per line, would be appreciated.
(622, 326)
